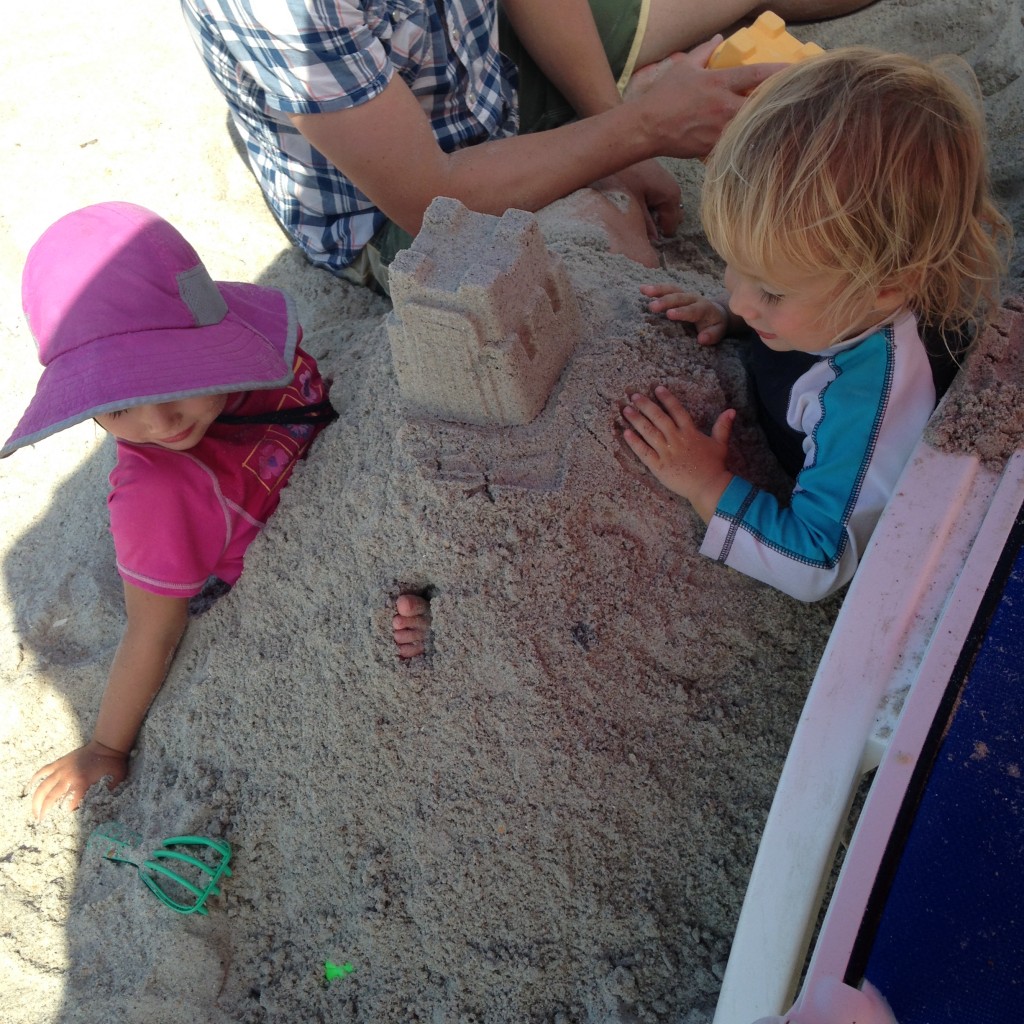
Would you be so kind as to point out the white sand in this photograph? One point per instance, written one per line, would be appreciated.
(550, 819)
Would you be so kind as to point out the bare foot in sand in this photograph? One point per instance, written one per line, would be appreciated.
(617, 214)
(411, 626)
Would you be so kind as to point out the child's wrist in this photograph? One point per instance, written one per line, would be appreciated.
(106, 750)
(706, 500)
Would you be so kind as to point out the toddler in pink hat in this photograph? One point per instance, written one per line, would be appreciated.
(212, 402)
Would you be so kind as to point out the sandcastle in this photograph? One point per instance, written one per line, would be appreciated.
(485, 317)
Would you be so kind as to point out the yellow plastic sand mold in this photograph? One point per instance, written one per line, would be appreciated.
(766, 41)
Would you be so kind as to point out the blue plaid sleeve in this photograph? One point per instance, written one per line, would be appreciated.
(301, 58)
(273, 58)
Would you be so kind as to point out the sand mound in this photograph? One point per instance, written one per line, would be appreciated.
(550, 818)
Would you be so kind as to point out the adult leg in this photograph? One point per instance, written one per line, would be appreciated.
(372, 266)
(541, 105)
(677, 25)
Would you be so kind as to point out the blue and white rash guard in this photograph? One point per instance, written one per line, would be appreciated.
(861, 407)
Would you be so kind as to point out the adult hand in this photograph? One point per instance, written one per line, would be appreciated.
(683, 458)
(686, 106)
(69, 778)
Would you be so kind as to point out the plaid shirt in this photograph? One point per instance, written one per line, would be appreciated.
(272, 58)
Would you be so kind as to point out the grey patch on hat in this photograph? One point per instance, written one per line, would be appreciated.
(202, 296)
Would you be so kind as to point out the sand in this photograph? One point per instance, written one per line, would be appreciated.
(553, 815)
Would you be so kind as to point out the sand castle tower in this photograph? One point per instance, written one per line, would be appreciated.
(485, 317)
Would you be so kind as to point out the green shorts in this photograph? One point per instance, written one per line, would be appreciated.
(621, 25)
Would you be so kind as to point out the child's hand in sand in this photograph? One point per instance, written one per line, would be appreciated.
(411, 626)
(710, 318)
(68, 778)
(687, 461)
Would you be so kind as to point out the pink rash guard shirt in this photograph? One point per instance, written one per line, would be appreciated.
(178, 518)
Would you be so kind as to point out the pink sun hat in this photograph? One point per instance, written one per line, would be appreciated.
(124, 313)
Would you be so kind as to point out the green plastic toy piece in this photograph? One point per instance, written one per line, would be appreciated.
(178, 880)
(113, 837)
(332, 971)
(157, 870)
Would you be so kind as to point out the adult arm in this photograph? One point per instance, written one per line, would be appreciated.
(564, 41)
(386, 146)
(155, 626)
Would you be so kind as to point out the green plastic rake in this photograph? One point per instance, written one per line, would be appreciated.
(182, 872)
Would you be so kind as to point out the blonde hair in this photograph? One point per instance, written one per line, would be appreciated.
(868, 165)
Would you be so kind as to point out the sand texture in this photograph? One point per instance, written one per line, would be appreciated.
(551, 817)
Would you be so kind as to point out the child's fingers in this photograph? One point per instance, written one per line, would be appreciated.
(666, 298)
(412, 605)
(666, 427)
(646, 438)
(676, 305)
(673, 408)
(722, 430)
(709, 337)
(688, 308)
(50, 792)
(653, 291)
(411, 625)
(640, 448)
(39, 804)
(652, 457)
(410, 643)
(650, 421)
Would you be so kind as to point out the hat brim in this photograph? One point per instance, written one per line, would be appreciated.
(252, 348)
